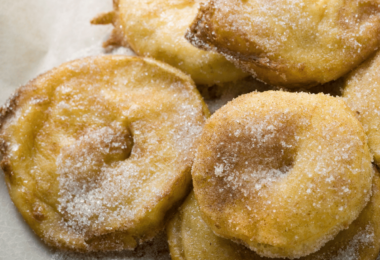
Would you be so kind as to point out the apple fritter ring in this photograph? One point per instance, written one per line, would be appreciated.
(361, 90)
(97, 151)
(190, 238)
(290, 43)
(282, 173)
(156, 29)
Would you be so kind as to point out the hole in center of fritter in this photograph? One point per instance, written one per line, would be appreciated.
(252, 159)
(83, 165)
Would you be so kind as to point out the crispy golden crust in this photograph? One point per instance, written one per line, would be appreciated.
(281, 172)
(156, 29)
(289, 43)
(361, 90)
(190, 238)
(86, 150)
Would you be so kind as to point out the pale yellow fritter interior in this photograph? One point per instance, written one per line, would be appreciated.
(98, 150)
(281, 172)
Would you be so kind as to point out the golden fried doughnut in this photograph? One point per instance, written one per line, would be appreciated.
(290, 43)
(97, 151)
(361, 90)
(156, 29)
(281, 172)
(190, 238)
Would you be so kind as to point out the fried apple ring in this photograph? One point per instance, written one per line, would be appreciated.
(97, 151)
(282, 173)
(156, 29)
(190, 238)
(361, 90)
(290, 43)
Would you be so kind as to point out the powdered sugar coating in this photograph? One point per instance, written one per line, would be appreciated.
(282, 173)
(361, 91)
(97, 151)
(190, 237)
(292, 43)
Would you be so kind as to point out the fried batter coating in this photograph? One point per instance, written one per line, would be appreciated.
(282, 173)
(190, 238)
(156, 29)
(361, 90)
(97, 151)
(290, 43)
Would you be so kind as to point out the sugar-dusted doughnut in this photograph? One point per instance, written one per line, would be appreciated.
(157, 29)
(282, 173)
(190, 238)
(361, 90)
(97, 151)
(290, 43)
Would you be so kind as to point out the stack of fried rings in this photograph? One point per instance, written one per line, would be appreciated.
(281, 174)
